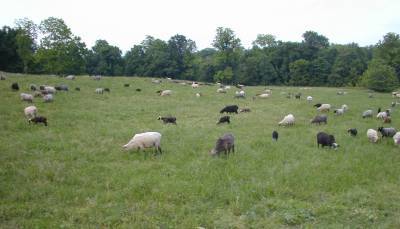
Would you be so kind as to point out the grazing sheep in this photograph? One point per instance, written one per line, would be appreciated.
(317, 105)
(198, 95)
(48, 98)
(244, 110)
(227, 87)
(49, 90)
(387, 119)
(324, 107)
(262, 96)
(33, 87)
(195, 85)
(126, 85)
(221, 90)
(144, 140)
(224, 119)
(225, 144)
(30, 112)
(61, 88)
(77, 89)
(268, 91)
(288, 120)
(396, 138)
(320, 119)
(107, 89)
(372, 135)
(340, 93)
(309, 99)
(367, 114)
(325, 139)
(37, 94)
(240, 94)
(240, 86)
(2, 77)
(393, 104)
(353, 132)
(168, 119)
(339, 111)
(275, 135)
(297, 96)
(382, 115)
(26, 97)
(99, 90)
(230, 109)
(70, 77)
(156, 81)
(388, 111)
(387, 132)
(15, 86)
(165, 93)
(38, 119)
(98, 77)
(345, 107)
(138, 89)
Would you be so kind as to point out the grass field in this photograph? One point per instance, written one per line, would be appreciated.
(75, 174)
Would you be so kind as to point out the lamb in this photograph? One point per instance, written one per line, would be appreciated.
(309, 99)
(38, 119)
(144, 140)
(339, 111)
(387, 132)
(30, 112)
(15, 86)
(224, 119)
(225, 144)
(372, 135)
(230, 109)
(244, 110)
(168, 119)
(26, 97)
(367, 114)
(324, 107)
(325, 139)
(48, 98)
(275, 135)
(221, 90)
(320, 119)
(353, 132)
(99, 90)
(396, 138)
(288, 120)
(165, 93)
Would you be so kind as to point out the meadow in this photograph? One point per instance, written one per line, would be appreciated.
(74, 173)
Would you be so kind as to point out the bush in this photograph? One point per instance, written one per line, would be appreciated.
(380, 77)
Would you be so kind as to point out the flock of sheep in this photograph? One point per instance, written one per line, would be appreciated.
(226, 142)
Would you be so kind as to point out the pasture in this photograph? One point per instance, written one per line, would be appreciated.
(74, 172)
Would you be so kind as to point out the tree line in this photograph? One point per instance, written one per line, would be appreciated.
(51, 48)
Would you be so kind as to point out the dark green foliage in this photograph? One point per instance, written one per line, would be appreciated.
(9, 59)
(104, 59)
(380, 76)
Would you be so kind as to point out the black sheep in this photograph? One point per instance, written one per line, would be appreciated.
(224, 119)
(224, 144)
(275, 135)
(167, 120)
(230, 109)
(387, 132)
(320, 119)
(325, 139)
(317, 105)
(39, 119)
(107, 89)
(77, 89)
(126, 85)
(138, 89)
(352, 131)
(15, 86)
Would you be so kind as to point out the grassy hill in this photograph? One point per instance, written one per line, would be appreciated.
(74, 172)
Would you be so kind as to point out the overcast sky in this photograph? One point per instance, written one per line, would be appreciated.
(126, 23)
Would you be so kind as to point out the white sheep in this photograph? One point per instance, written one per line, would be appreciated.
(367, 113)
(324, 107)
(50, 89)
(198, 95)
(345, 107)
(396, 138)
(227, 87)
(221, 90)
(309, 99)
(99, 90)
(165, 93)
(144, 140)
(48, 98)
(372, 135)
(26, 97)
(70, 77)
(288, 120)
(268, 91)
(30, 112)
(339, 111)
(263, 96)
(381, 115)
(195, 85)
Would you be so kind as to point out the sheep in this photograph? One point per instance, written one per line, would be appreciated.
(324, 107)
(198, 95)
(33, 87)
(224, 119)
(26, 97)
(317, 105)
(275, 135)
(340, 93)
(99, 90)
(382, 115)
(48, 98)
(387, 119)
(353, 132)
(156, 81)
(227, 87)
(309, 99)
(240, 94)
(320, 119)
(70, 77)
(372, 135)
(144, 140)
(30, 112)
(15, 86)
(38, 119)
(288, 120)
(107, 89)
(339, 111)
(262, 96)
(2, 77)
(230, 109)
(325, 139)
(225, 144)
(165, 93)
(345, 107)
(97, 77)
(221, 90)
(387, 132)
(268, 91)
(297, 96)
(396, 138)
(37, 94)
(367, 114)
(168, 119)
(61, 87)
(240, 86)
(126, 85)
(77, 89)
(138, 89)
(49, 89)
(195, 85)
(370, 95)
(244, 110)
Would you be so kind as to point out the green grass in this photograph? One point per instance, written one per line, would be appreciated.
(74, 173)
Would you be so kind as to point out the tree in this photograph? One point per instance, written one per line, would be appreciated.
(104, 59)
(9, 58)
(25, 39)
(299, 72)
(134, 61)
(181, 58)
(380, 76)
(265, 40)
(224, 76)
(312, 43)
(389, 51)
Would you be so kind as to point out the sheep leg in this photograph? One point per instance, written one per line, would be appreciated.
(159, 149)
(233, 148)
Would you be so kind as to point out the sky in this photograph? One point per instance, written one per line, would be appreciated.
(125, 23)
